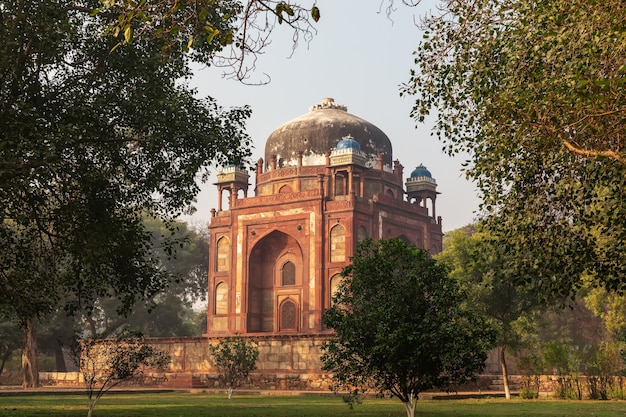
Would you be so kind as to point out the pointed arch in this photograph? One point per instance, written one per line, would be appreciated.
(405, 239)
(221, 299)
(222, 263)
(334, 283)
(338, 243)
(288, 274)
(285, 189)
(288, 319)
(266, 265)
(362, 233)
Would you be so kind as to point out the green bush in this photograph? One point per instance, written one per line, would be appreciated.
(605, 379)
(530, 387)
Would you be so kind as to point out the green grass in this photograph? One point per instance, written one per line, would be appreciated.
(182, 404)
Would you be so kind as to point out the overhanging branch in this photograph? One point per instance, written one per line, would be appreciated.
(592, 153)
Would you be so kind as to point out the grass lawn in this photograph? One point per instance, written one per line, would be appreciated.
(182, 404)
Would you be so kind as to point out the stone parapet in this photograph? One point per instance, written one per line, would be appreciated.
(285, 363)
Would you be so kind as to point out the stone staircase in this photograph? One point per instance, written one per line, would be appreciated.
(497, 384)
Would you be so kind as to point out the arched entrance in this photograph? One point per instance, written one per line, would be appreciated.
(275, 266)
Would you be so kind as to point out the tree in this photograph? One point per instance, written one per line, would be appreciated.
(234, 358)
(205, 28)
(181, 253)
(99, 128)
(611, 308)
(92, 140)
(168, 313)
(106, 363)
(10, 340)
(56, 334)
(482, 270)
(535, 92)
(401, 325)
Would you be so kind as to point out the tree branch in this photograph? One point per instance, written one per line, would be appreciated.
(592, 153)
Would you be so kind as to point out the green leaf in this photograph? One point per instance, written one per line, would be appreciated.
(315, 13)
(128, 33)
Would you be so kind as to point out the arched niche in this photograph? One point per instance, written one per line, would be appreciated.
(288, 274)
(221, 298)
(288, 319)
(362, 233)
(222, 257)
(337, 243)
(267, 259)
(285, 189)
(334, 283)
(405, 239)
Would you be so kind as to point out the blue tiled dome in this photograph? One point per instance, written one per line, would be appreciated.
(348, 142)
(421, 171)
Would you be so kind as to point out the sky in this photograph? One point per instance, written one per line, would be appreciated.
(360, 58)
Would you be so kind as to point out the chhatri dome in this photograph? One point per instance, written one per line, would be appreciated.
(348, 143)
(421, 171)
(323, 128)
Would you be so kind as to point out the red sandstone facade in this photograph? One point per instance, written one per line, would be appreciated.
(276, 257)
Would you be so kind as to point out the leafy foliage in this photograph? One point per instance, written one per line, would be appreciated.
(169, 313)
(234, 358)
(226, 33)
(91, 140)
(401, 325)
(534, 91)
(10, 339)
(106, 363)
(182, 254)
(482, 269)
(611, 308)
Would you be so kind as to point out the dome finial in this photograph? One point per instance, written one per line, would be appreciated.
(328, 103)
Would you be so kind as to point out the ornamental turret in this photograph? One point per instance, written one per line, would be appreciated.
(421, 187)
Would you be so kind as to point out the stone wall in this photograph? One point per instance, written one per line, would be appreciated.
(285, 363)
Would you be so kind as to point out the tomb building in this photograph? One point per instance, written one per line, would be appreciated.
(327, 180)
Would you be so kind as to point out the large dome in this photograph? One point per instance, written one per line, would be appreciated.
(320, 130)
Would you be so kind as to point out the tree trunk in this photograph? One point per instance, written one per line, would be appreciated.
(30, 368)
(92, 405)
(92, 326)
(505, 374)
(59, 358)
(409, 406)
(4, 360)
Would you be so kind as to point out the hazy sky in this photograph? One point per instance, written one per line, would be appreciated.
(360, 58)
